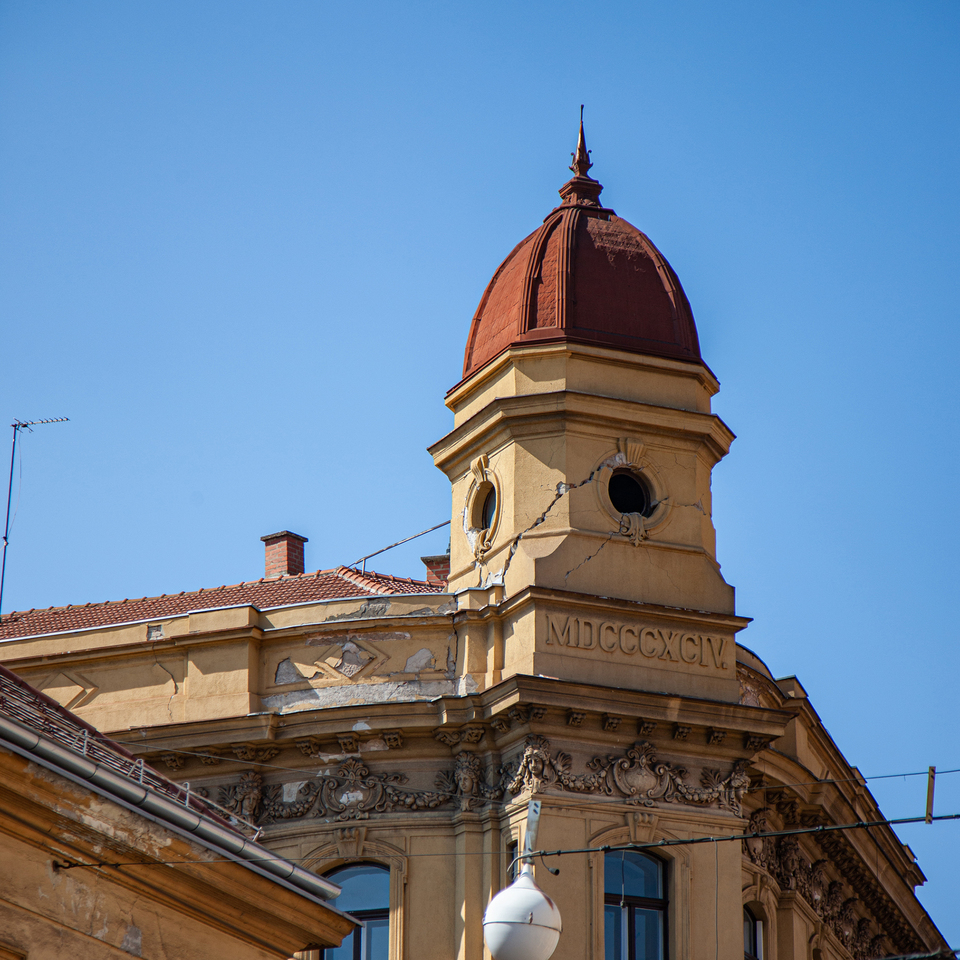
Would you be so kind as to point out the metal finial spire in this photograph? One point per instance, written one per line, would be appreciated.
(581, 159)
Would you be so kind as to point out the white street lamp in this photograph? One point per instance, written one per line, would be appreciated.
(522, 922)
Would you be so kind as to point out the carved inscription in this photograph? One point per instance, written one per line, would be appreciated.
(636, 640)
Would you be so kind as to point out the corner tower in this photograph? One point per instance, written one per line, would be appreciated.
(580, 463)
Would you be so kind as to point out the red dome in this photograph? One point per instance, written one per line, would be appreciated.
(587, 276)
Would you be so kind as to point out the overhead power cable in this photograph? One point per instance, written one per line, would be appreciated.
(754, 835)
(605, 848)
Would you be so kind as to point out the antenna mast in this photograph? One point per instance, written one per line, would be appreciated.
(17, 425)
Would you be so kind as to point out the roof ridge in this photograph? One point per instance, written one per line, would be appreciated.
(7, 617)
(361, 579)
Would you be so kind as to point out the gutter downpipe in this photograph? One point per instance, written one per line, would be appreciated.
(158, 808)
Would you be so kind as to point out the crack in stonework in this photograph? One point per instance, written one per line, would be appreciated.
(562, 490)
(592, 555)
(696, 506)
(176, 688)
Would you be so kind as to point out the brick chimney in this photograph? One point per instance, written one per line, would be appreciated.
(284, 554)
(438, 569)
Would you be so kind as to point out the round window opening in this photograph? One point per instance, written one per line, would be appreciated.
(489, 509)
(629, 494)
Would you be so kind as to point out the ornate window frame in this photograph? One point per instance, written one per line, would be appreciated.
(352, 846)
(643, 827)
(483, 482)
(630, 455)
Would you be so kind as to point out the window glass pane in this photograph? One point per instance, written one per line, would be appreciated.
(749, 934)
(366, 886)
(648, 934)
(376, 939)
(612, 941)
(638, 875)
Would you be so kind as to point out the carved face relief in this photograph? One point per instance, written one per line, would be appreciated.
(245, 798)
(533, 772)
(467, 774)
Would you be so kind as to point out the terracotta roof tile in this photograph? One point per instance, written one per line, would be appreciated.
(340, 584)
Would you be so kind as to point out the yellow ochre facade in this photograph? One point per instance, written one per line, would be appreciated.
(583, 652)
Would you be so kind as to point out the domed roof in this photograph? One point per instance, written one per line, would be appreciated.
(588, 276)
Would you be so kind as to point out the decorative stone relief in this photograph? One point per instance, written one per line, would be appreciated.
(575, 718)
(349, 657)
(716, 736)
(244, 798)
(646, 727)
(610, 723)
(536, 769)
(639, 776)
(759, 849)
(255, 754)
(210, 759)
(467, 782)
(173, 760)
(783, 860)
(749, 688)
(275, 807)
(350, 841)
(393, 739)
(680, 732)
(352, 793)
(452, 737)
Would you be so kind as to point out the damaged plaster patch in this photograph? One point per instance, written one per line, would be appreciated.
(366, 693)
(351, 637)
(449, 607)
(422, 660)
(290, 790)
(287, 673)
(133, 941)
(372, 746)
(352, 660)
(361, 725)
(372, 608)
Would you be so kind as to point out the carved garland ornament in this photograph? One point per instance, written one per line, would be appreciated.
(639, 776)
(353, 793)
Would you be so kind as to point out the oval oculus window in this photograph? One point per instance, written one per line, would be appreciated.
(629, 494)
(489, 509)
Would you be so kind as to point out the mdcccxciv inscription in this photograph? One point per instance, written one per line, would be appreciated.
(651, 643)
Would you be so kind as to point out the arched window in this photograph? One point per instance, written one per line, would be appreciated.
(366, 897)
(752, 936)
(634, 907)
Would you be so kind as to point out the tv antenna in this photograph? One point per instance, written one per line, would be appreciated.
(17, 425)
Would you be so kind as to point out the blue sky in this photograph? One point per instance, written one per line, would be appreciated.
(241, 244)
